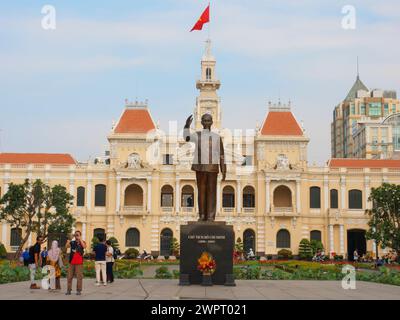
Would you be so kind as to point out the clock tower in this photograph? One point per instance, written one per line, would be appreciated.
(208, 100)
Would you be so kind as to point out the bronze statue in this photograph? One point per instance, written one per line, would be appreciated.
(208, 158)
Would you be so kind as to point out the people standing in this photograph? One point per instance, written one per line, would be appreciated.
(110, 262)
(34, 259)
(54, 259)
(43, 255)
(75, 262)
(100, 250)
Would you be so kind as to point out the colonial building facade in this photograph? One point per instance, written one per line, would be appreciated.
(143, 190)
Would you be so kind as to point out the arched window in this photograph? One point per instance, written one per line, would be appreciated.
(315, 235)
(249, 199)
(283, 239)
(282, 197)
(165, 242)
(133, 195)
(334, 199)
(208, 73)
(187, 197)
(80, 197)
(355, 199)
(132, 238)
(315, 197)
(228, 197)
(99, 232)
(249, 240)
(100, 195)
(167, 196)
(16, 237)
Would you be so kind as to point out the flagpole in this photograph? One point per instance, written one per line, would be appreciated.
(209, 23)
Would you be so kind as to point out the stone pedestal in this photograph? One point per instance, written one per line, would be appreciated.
(217, 239)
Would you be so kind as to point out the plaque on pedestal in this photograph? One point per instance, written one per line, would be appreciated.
(209, 239)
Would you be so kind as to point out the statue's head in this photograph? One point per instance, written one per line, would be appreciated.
(206, 121)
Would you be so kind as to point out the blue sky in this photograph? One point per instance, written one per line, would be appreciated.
(60, 90)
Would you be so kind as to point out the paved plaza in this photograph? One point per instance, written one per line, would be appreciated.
(153, 289)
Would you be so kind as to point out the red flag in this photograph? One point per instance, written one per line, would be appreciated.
(204, 18)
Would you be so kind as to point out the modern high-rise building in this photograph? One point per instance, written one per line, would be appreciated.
(366, 124)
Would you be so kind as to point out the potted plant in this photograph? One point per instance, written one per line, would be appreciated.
(207, 266)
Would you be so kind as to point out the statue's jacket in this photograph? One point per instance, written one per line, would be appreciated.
(208, 151)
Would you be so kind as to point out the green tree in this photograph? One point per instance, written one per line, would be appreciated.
(3, 251)
(35, 207)
(239, 247)
(316, 246)
(305, 250)
(95, 241)
(384, 217)
(114, 243)
(175, 247)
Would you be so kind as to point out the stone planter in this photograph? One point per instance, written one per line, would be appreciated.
(206, 280)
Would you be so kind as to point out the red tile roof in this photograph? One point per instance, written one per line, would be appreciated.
(36, 158)
(281, 123)
(135, 121)
(363, 163)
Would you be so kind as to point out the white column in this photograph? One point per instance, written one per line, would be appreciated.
(118, 195)
(4, 233)
(343, 193)
(71, 184)
(89, 195)
(267, 196)
(341, 234)
(238, 196)
(5, 188)
(331, 243)
(149, 180)
(177, 195)
(218, 195)
(84, 231)
(298, 197)
(326, 194)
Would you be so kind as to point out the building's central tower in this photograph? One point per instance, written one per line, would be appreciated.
(208, 100)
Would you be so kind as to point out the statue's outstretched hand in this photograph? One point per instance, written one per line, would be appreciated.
(189, 121)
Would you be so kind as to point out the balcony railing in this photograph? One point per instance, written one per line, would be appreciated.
(283, 211)
(167, 209)
(228, 209)
(187, 209)
(133, 210)
(249, 210)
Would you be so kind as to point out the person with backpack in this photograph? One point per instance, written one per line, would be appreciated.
(25, 257)
(110, 258)
(34, 258)
(75, 262)
(100, 251)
